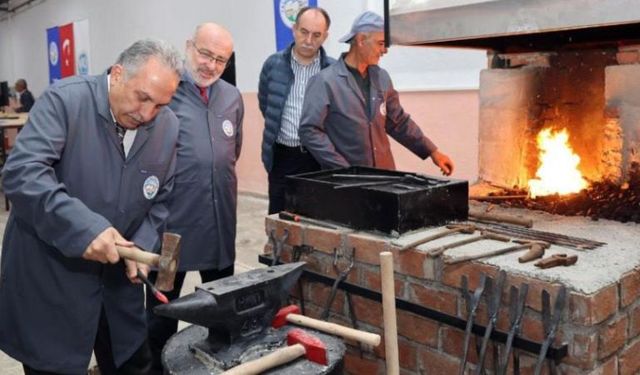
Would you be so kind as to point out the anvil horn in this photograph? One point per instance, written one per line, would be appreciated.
(237, 306)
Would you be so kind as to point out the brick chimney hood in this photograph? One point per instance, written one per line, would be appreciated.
(514, 25)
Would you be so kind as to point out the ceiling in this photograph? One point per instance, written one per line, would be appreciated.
(11, 7)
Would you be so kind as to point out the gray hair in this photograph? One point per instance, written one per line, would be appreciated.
(139, 52)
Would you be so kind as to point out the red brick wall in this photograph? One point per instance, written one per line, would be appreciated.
(601, 329)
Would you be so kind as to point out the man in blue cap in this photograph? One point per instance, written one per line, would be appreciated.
(351, 106)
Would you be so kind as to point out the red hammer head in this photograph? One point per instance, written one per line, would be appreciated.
(281, 316)
(315, 350)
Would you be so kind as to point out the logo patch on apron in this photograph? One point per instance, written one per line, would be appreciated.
(383, 109)
(227, 128)
(150, 187)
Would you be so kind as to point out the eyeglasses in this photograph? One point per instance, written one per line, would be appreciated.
(210, 56)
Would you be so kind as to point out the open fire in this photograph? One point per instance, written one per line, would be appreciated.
(558, 172)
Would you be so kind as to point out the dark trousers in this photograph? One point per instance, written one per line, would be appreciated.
(161, 328)
(138, 364)
(287, 161)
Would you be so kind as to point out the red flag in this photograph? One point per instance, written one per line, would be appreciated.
(67, 54)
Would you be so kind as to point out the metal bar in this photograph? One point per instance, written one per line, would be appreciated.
(555, 238)
(554, 353)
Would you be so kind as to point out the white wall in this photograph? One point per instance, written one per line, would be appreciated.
(115, 24)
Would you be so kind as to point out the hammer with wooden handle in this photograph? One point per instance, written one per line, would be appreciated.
(299, 343)
(451, 229)
(291, 314)
(484, 235)
(493, 253)
(166, 261)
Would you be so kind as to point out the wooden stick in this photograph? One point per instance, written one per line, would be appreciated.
(389, 313)
(367, 338)
(485, 216)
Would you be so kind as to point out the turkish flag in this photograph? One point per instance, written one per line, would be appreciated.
(67, 54)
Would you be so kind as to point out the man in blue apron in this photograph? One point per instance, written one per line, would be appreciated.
(351, 106)
(203, 204)
(92, 169)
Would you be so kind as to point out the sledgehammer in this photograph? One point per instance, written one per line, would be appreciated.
(290, 314)
(299, 343)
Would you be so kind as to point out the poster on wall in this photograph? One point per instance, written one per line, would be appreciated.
(68, 50)
(285, 12)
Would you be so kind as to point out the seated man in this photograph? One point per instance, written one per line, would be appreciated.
(25, 98)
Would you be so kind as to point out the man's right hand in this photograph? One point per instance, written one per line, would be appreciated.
(103, 248)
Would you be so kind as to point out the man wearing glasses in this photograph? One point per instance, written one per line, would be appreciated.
(203, 205)
(281, 91)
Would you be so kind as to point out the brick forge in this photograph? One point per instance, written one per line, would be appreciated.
(592, 92)
(600, 328)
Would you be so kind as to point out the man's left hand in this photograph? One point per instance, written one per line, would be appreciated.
(443, 162)
(132, 270)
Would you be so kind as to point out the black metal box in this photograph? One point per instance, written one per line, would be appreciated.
(388, 201)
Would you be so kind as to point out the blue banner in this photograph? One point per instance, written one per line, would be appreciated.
(285, 12)
(53, 53)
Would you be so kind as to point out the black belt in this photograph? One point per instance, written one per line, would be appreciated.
(297, 149)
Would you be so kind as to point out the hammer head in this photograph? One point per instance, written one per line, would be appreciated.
(315, 350)
(168, 262)
(281, 316)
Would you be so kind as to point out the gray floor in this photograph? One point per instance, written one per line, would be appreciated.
(250, 240)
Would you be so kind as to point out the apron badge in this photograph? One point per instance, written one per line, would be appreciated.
(227, 128)
(150, 187)
(383, 109)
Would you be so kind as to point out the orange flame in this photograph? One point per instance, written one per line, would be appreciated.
(558, 172)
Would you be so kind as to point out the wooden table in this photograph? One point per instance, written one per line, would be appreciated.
(9, 121)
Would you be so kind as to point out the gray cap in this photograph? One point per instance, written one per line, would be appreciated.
(365, 23)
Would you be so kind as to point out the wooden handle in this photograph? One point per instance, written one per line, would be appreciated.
(134, 253)
(481, 215)
(365, 337)
(485, 255)
(271, 360)
(389, 313)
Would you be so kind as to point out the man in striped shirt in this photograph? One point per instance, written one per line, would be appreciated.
(281, 91)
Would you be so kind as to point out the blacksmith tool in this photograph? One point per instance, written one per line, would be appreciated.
(492, 253)
(467, 303)
(341, 275)
(481, 215)
(472, 306)
(152, 288)
(166, 262)
(234, 308)
(284, 215)
(291, 314)
(556, 260)
(390, 324)
(484, 235)
(550, 324)
(517, 299)
(493, 308)
(278, 244)
(536, 250)
(299, 343)
(451, 229)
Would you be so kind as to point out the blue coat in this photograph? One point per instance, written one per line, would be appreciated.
(203, 204)
(275, 83)
(68, 181)
(336, 128)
